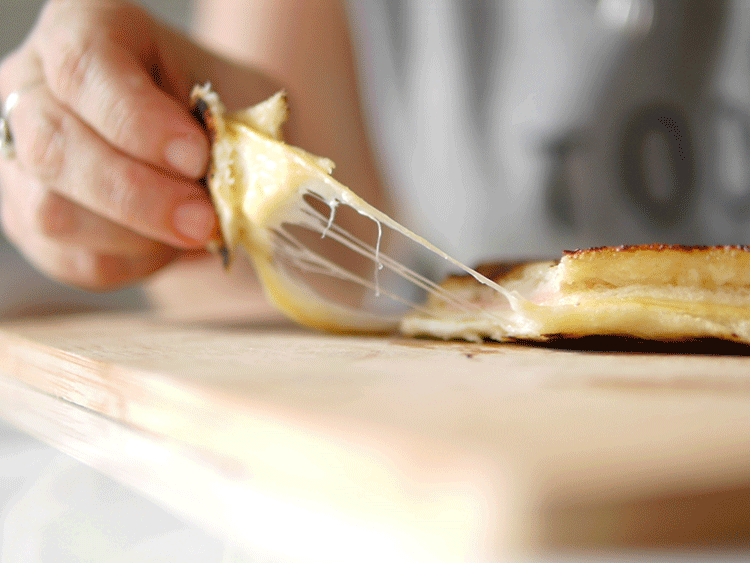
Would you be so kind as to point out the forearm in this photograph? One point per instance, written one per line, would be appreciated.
(305, 48)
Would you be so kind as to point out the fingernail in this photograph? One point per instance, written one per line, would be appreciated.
(195, 220)
(187, 156)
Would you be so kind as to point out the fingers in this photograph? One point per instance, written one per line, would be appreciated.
(102, 190)
(63, 221)
(89, 253)
(60, 151)
(107, 65)
(89, 269)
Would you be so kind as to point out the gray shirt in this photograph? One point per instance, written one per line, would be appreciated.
(523, 127)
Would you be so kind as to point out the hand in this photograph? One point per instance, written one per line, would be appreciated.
(103, 189)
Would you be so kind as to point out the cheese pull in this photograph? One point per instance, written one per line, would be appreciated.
(282, 206)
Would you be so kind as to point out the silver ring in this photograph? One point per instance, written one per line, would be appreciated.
(7, 147)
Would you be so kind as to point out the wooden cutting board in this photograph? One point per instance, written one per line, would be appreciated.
(300, 444)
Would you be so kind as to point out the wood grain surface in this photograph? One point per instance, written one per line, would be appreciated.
(421, 450)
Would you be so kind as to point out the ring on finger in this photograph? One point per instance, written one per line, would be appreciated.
(7, 146)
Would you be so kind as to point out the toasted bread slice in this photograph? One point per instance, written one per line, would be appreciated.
(656, 292)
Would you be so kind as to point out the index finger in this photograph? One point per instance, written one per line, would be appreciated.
(105, 65)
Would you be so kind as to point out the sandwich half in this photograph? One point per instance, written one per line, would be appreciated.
(654, 292)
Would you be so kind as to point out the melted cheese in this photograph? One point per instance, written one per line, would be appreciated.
(258, 184)
(556, 306)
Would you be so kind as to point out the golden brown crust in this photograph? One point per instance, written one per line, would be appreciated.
(655, 247)
(498, 271)
(202, 112)
(707, 267)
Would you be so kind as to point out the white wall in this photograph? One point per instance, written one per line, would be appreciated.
(17, 16)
